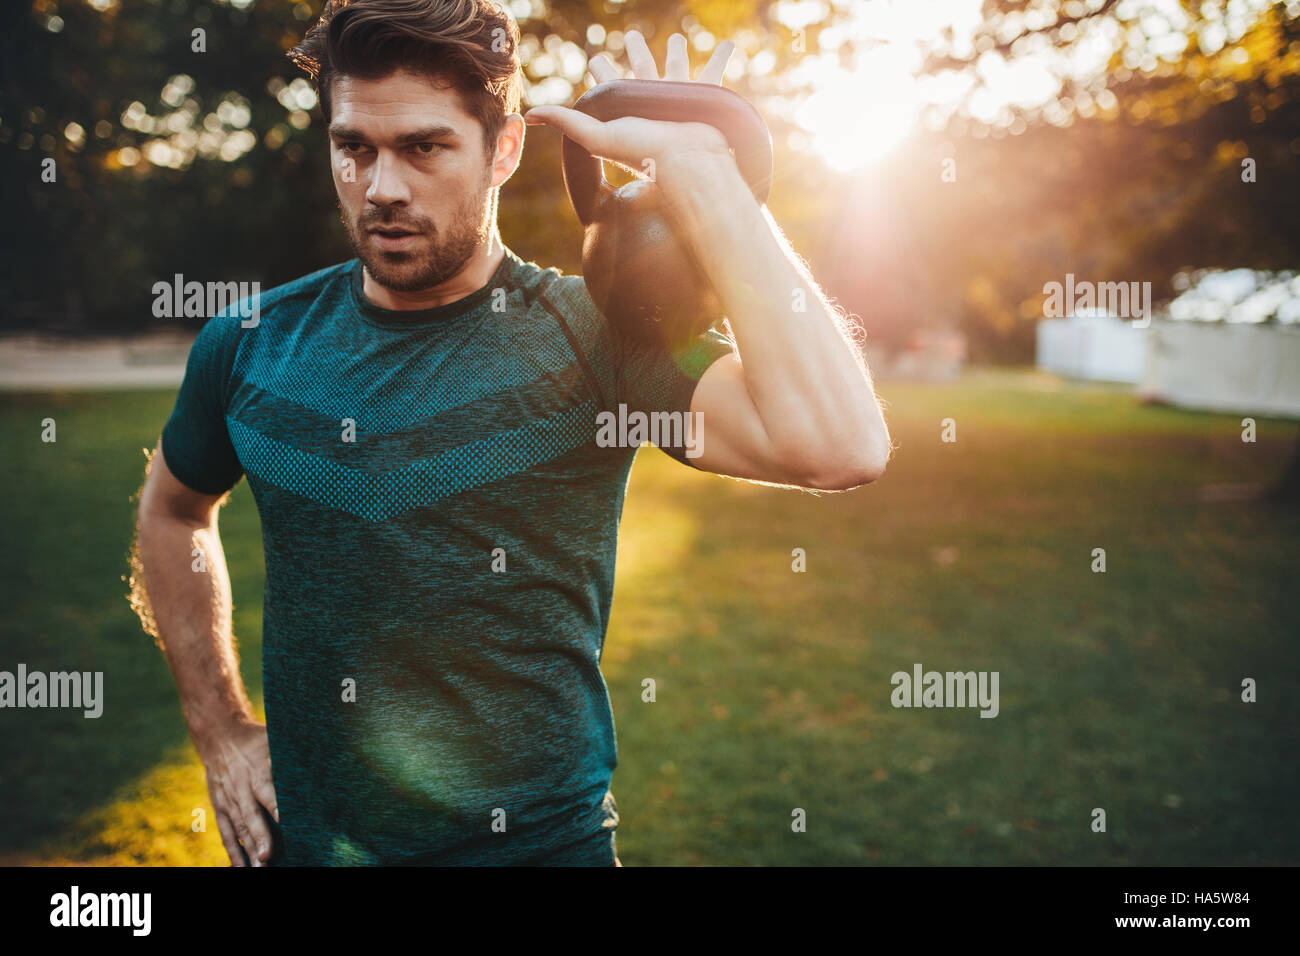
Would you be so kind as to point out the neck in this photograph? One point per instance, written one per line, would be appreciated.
(476, 272)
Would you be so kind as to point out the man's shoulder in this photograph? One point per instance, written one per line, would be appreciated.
(306, 289)
(538, 280)
(559, 293)
(248, 311)
(226, 330)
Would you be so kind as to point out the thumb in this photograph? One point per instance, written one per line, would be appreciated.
(588, 132)
(575, 124)
(547, 116)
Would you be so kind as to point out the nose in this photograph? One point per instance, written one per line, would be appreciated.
(387, 187)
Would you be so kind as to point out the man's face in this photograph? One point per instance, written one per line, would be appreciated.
(413, 179)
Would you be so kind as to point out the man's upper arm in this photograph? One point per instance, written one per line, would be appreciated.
(195, 440)
(165, 494)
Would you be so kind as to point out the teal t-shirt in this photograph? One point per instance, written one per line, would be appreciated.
(440, 526)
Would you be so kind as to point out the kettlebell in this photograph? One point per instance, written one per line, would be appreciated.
(637, 271)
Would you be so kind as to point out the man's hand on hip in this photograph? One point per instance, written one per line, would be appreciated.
(238, 764)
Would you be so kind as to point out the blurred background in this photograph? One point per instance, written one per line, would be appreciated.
(938, 163)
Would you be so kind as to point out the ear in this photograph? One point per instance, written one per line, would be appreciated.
(510, 148)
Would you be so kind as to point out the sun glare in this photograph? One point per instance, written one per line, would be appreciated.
(858, 118)
(857, 114)
(860, 106)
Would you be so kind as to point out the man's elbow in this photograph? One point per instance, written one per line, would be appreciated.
(841, 471)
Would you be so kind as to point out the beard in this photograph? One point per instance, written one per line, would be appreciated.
(437, 255)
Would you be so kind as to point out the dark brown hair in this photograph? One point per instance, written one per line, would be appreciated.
(471, 44)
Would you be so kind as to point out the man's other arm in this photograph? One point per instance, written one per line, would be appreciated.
(189, 613)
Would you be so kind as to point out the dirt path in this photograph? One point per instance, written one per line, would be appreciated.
(44, 362)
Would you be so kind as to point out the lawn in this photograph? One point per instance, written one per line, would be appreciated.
(1118, 690)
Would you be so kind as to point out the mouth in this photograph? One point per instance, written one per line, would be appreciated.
(393, 237)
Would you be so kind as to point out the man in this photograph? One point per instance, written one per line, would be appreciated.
(419, 429)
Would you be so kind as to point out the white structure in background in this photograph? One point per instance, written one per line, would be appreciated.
(1230, 343)
(1094, 346)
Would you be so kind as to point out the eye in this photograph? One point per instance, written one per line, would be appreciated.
(428, 148)
(351, 147)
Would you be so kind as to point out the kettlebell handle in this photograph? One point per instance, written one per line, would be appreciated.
(672, 101)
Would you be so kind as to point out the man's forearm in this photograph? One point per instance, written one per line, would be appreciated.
(192, 613)
(809, 385)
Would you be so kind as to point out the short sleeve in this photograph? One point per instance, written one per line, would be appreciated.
(652, 377)
(644, 376)
(195, 441)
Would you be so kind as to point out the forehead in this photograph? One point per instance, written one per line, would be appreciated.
(396, 102)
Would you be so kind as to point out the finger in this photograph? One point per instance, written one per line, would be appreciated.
(717, 65)
(265, 793)
(603, 69)
(246, 841)
(639, 55)
(553, 116)
(604, 140)
(252, 830)
(233, 849)
(586, 131)
(677, 63)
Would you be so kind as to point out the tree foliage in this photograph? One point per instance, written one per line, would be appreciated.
(213, 164)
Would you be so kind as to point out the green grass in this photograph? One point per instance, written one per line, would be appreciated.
(1118, 690)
